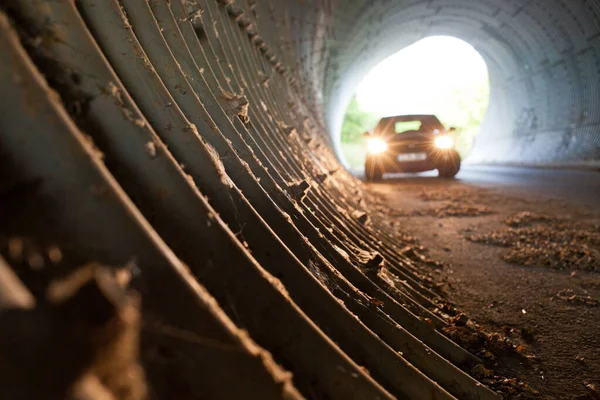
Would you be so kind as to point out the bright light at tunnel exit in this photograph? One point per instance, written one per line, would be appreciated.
(424, 78)
(438, 75)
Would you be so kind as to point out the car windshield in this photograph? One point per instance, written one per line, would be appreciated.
(408, 123)
(405, 126)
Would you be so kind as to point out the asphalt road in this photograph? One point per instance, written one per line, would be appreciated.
(579, 187)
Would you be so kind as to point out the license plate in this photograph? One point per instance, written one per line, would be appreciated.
(412, 157)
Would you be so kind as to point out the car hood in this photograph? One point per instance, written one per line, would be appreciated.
(410, 137)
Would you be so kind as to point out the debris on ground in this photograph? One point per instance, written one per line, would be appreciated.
(569, 296)
(554, 246)
(480, 371)
(439, 195)
(593, 284)
(512, 388)
(450, 194)
(490, 346)
(414, 254)
(460, 320)
(526, 218)
(593, 389)
(555, 256)
(456, 209)
(393, 214)
(510, 343)
(474, 337)
(403, 238)
(445, 210)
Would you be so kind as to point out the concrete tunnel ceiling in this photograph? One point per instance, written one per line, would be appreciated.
(186, 144)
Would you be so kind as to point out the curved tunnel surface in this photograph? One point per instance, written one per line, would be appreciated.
(181, 147)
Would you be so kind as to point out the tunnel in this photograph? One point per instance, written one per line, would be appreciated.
(542, 60)
(175, 223)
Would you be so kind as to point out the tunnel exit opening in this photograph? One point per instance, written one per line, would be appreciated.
(439, 75)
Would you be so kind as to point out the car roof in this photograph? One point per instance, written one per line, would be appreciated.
(411, 117)
(389, 122)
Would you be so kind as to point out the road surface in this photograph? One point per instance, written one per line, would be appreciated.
(543, 279)
(579, 186)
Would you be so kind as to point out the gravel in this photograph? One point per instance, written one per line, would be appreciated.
(550, 244)
(526, 218)
(457, 209)
(570, 296)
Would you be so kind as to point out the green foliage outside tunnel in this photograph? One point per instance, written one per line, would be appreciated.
(356, 123)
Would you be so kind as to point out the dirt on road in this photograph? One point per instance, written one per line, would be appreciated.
(523, 267)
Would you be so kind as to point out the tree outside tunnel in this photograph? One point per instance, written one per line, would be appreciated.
(438, 75)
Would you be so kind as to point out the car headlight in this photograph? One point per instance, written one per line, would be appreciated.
(444, 142)
(377, 146)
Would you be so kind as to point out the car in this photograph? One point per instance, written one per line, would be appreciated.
(411, 143)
